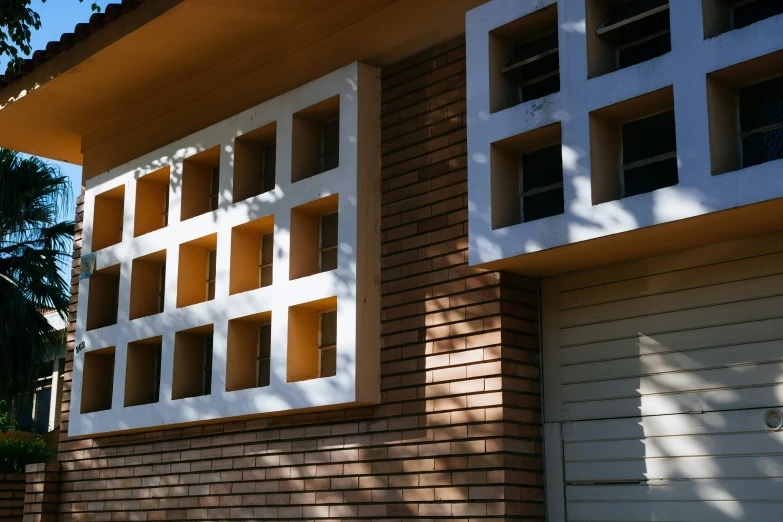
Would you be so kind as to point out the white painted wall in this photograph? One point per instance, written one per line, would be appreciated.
(685, 68)
(657, 375)
(359, 89)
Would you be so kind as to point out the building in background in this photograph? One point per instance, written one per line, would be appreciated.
(393, 259)
(41, 411)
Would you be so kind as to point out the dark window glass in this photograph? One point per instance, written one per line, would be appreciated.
(328, 260)
(329, 230)
(622, 11)
(761, 110)
(267, 259)
(331, 145)
(328, 351)
(162, 288)
(156, 378)
(270, 158)
(543, 204)
(644, 51)
(752, 12)
(214, 183)
(762, 147)
(651, 177)
(166, 208)
(761, 104)
(542, 183)
(211, 272)
(328, 362)
(266, 276)
(329, 328)
(541, 88)
(328, 247)
(532, 50)
(538, 74)
(649, 137)
(264, 351)
(267, 249)
(207, 382)
(638, 40)
(43, 399)
(542, 167)
(631, 33)
(545, 65)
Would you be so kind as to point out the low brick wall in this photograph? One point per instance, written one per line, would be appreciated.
(42, 486)
(11, 496)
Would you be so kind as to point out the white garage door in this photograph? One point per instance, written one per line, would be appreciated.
(658, 375)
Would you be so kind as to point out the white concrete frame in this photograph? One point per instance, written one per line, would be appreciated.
(354, 281)
(685, 68)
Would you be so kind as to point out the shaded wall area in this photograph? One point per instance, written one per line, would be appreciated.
(11, 496)
(458, 431)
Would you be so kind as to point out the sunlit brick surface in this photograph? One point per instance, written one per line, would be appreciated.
(457, 434)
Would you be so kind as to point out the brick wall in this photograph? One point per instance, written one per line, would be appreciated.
(11, 496)
(457, 434)
(41, 492)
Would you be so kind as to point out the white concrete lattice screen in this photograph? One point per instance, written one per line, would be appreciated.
(684, 69)
(354, 283)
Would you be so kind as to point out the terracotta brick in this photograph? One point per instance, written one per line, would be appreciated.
(458, 432)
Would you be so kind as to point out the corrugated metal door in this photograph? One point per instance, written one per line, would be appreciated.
(658, 374)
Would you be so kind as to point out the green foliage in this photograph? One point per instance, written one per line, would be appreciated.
(15, 454)
(33, 245)
(7, 420)
(17, 21)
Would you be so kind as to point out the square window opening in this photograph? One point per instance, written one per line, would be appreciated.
(152, 202)
(193, 356)
(312, 340)
(622, 33)
(200, 183)
(745, 108)
(249, 352)
(634, 147)
(197, 271)
(103, 297)
(721, 16)
(314, 237)
(252, 255)
(526, 177)
(316, 139)
(97, 380)
(108, 219)
(148, 285)
(255, 162)
(524, 59)
(142, 372)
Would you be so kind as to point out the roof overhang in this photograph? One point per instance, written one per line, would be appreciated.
(171, 67)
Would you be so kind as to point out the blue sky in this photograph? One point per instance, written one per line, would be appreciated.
(58, 17)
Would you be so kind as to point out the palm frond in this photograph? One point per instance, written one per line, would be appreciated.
(34, 245)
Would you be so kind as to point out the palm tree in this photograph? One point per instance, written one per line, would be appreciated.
(33, 246)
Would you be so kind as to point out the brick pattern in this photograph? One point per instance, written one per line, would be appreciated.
(458, 433)
(11, 496)
(41, 492)
(71, 328)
